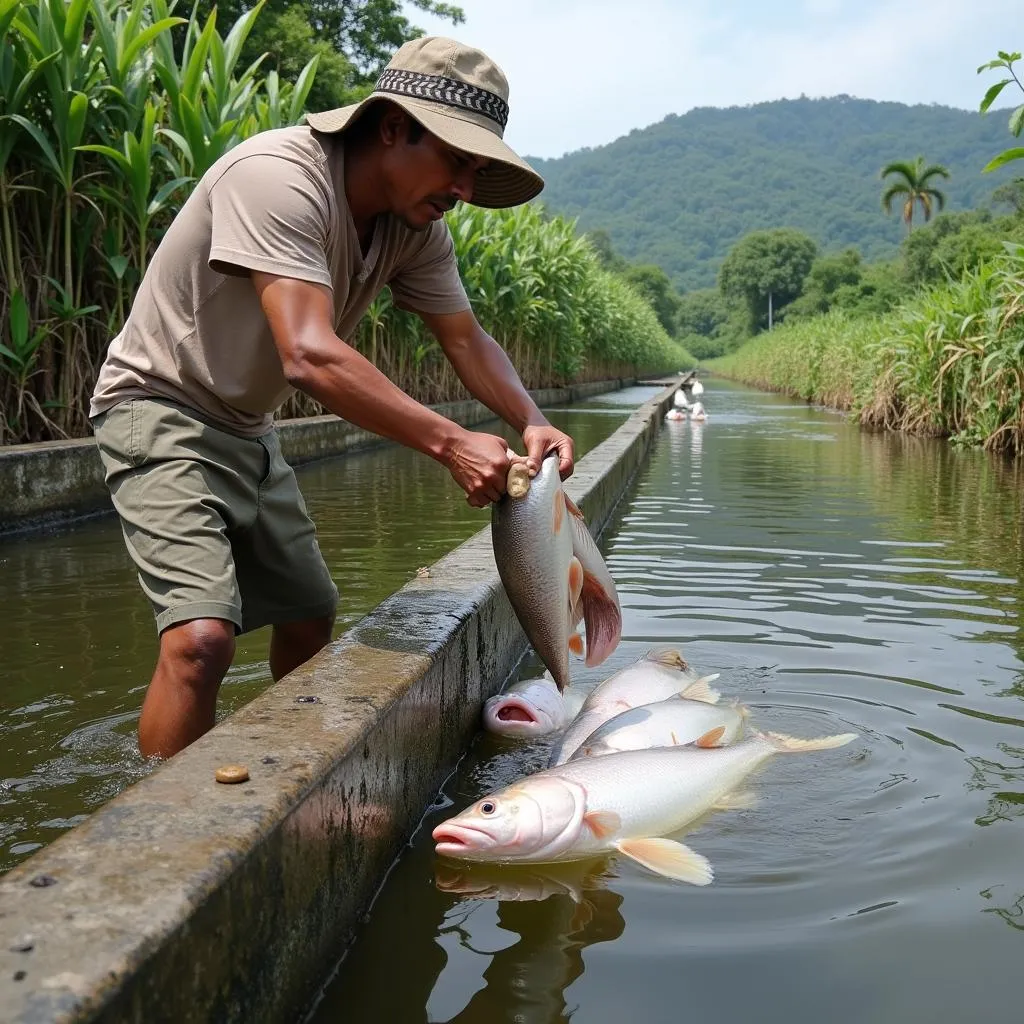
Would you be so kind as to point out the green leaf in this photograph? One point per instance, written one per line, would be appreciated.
(192, 78)
(1017, 121)
(161, 197)
(108, 151)
(8, 9)
(72, 36)
(18, 315)
(1004, 158)
(77, 110)
(118, 264)
(302, 86)
(144, 38)
(41, 140)
(993, 93)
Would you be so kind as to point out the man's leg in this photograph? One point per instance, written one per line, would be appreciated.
(182, 697)
(294, 643)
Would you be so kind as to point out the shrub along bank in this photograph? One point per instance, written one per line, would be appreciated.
(947, 362)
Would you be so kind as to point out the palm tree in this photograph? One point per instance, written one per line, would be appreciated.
(912, 185)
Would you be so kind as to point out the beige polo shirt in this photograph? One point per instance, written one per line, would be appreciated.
(197, 333)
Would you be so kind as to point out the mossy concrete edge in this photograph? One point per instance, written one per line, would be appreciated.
(58, 483)
(184, 899)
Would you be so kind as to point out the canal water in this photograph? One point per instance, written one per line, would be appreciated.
(78, 644)
(838, 581)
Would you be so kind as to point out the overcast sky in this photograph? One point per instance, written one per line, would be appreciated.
(585, 72)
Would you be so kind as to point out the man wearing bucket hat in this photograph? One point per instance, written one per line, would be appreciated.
(254, 288)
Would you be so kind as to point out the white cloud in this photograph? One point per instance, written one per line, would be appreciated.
(585, 73)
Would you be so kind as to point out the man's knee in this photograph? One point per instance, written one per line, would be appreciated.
(199, 651)
(307, 632)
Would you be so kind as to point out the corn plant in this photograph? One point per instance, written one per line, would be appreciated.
(105, 126)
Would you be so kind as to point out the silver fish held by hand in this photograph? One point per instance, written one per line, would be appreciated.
(538, 544)
(625, 802)
(660, 673)
(667, 723)
(531, 707)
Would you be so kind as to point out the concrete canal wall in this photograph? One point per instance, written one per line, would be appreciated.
(57, 482)
(184, 899)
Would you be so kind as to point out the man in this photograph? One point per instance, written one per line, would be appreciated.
(251, 293)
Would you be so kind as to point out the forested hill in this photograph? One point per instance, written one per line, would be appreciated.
(679, 193)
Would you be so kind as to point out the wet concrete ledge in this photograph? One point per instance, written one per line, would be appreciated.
(56, 483)
(183, 899)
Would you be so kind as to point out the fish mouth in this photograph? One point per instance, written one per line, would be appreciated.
(455, 840)
(516, 711)
(516, 715)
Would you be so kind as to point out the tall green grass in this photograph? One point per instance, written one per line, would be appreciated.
(105, 125)
(949, 362)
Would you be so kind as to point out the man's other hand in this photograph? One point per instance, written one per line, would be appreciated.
(479, 464)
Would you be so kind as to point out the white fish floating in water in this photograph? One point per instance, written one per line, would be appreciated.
(626, 802)
(553, 573)
(658, 674)
(531, 707)
(672, 722)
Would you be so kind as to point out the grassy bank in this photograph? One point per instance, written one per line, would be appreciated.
(111, 110)
(948, 362)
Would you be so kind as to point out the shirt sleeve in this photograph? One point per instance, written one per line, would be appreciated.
(268, 213)
(427, 280)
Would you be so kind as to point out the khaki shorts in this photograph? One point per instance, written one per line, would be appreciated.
(214, 522)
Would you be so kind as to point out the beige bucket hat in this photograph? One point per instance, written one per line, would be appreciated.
(461, 96)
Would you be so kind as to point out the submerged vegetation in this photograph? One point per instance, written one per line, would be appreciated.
(111, 110)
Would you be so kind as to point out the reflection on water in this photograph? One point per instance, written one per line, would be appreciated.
(78, 644)
(838, 581)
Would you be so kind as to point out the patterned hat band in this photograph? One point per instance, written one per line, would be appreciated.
(438, 89)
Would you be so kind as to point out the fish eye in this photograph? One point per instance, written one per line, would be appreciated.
(487, 807)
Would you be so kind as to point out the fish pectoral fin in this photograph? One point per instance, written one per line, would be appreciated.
(576, 644)
(667, 656)
(700, 690)
(602, 823)
(575, 582)
(669, 858)
(741, 800)
(572, 508)
(712, 738)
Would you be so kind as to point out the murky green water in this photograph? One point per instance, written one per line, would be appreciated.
(78, 644)
(837, 581)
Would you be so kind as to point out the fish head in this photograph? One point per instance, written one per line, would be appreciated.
(526, 713)
(535, 819)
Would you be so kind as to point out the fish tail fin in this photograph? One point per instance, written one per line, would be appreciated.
(700, 690)
(667, 656)
(791, 745)
(603, 617)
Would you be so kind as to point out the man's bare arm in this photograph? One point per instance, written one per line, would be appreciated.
(316, 361)
(488, 373)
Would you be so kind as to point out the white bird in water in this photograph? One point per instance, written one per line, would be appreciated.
(698, 412)
(697, 388)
